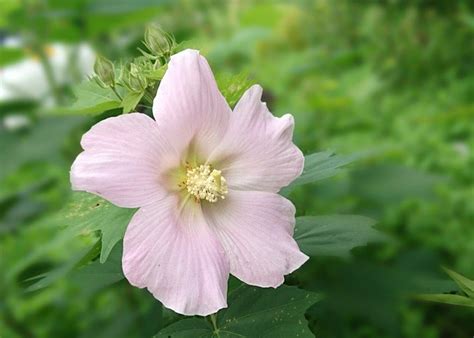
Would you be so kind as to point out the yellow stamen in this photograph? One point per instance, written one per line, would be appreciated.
(205, 183)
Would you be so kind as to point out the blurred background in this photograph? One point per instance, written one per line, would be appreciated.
(392, 80)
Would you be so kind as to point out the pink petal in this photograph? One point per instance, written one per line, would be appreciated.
(256, 231)
(258, 152)
(122, 160)
(176, 257)
(189, 104)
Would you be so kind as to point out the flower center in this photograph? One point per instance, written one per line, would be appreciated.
(205, 183)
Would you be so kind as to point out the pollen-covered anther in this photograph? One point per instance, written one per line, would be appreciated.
(205, 183)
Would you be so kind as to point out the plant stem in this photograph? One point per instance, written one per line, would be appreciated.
(116, 93)
(48, 71)
(148, 97)
(214, 324)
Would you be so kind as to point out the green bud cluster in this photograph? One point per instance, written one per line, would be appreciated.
(140, 77)
(148, 68)
(132, 78)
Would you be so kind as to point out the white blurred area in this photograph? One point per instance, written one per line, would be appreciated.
(27, 80)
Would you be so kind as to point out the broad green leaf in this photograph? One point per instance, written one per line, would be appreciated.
(130, 101)
(89, 276)
(188, 328)
(233, 87)
(334, 235)
(319, 166)
(76, 261)
(95, 275)
(253, 311)
(87, 213)
(448, 299)
(464, 283)
(92, 99)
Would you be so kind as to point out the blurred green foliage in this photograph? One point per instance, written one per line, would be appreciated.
(466, 298)
(393, 80)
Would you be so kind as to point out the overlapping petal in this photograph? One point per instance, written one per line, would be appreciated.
(256, 231)
(122, 160)
(174, 254)
(189, 104)
(257, 152)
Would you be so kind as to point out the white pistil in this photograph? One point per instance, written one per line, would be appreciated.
(205, 183)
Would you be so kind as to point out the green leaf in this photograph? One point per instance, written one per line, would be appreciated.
(130, 101)
(87, 213)
(265, 312)
(92, 99)
(89, 276)
(95, 276)
(464, 283)
(334, 235)
(233, 87)
(54, 275)
(322, 165)
(192, 327)
(448, 299)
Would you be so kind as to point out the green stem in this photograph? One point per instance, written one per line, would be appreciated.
(73, 64)
(48, 70)
(116, 93)
(213, 318)
(148, 97)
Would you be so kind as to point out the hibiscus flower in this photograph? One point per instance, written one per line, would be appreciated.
(206, 181)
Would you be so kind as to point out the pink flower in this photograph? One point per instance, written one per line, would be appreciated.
(206, 180)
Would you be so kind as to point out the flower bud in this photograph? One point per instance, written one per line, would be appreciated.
(132, 79)
(104, 69)
(158, 42)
